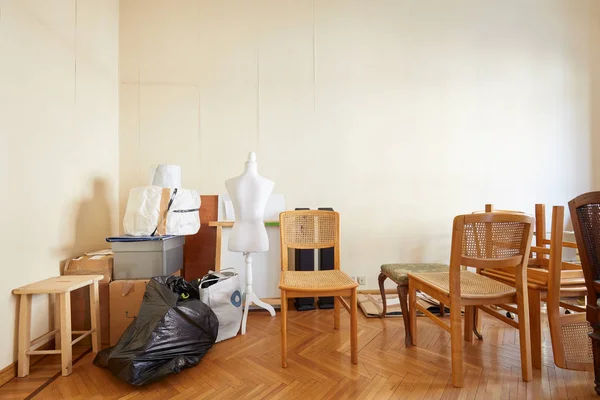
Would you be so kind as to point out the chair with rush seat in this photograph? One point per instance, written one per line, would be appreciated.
(315, 230)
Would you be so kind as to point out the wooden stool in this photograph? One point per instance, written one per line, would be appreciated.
(399, 274)
(61, 287)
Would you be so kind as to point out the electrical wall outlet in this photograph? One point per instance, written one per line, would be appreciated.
(361, 280)
(353, 278)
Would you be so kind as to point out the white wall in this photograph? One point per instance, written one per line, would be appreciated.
(399, 114)
(58, 143)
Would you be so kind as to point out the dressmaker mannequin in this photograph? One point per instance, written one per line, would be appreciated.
(249, 193)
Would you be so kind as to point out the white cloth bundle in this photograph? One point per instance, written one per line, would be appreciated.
(167, 176)
(153, 210)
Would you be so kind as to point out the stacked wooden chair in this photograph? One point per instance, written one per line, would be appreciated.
(552, 280)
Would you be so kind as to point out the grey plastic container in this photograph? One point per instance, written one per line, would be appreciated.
(145, 259)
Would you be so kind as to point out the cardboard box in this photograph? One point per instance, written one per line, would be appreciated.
(80, 312)
(80, 298)
(91, 265)
(126, 297)
(125, 300)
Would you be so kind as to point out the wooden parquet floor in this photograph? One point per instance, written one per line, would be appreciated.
(248, 367)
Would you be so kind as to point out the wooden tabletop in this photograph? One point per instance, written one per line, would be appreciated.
(58, 284)
(230, 223)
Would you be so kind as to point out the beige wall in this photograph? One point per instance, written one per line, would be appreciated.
(399, 114)
(58, 143)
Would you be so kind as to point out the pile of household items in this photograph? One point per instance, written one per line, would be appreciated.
(154, 322)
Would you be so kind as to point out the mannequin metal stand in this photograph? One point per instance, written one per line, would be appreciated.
(249, 296)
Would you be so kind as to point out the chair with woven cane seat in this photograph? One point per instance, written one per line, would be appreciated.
(585, 214)
(315, 230)
(487, 240)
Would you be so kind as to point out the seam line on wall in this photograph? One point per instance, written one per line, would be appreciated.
(257, 98)
(75, 63)
(314, 48)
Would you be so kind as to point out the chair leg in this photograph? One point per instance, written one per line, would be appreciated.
(284, 306)
(535, 305)
(442, 309)
(469, 314)
(65, 334)
(402, 294)
(595, 335)
(525, 336)
(24, 334)
(95, 316)
(336, 312)
(381, 279)
(456, 344)
(412, 312)
(354, 327)
(477, 323)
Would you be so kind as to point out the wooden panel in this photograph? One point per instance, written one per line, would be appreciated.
(199, 249)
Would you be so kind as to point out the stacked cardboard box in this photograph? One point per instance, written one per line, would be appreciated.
(100, 264)
(120, 300)
(125, 300)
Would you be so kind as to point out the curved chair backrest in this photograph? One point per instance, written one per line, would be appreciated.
(585, 213)
(491, 240)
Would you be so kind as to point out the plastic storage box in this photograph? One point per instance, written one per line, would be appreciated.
(145, 257)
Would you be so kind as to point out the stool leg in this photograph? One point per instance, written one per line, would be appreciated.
(65, 334)
(56, 321)
(402, 292)
(95, 316)
(24, 334)
(382, 278)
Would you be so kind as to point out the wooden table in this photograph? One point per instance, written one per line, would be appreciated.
(227, 224)
(60, 288)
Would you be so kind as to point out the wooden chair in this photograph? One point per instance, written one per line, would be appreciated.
(399, 274)
(550, 279)
(585, 214)
(315, 230)
(487, 240)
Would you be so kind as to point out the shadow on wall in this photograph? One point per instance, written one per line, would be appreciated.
(93, 221)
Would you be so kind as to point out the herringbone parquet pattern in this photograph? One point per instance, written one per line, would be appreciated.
(248, 367)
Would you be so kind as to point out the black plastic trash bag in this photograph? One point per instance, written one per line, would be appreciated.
(172, 331)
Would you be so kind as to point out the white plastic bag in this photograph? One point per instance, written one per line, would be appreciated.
(162, 211)
(224, 297)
